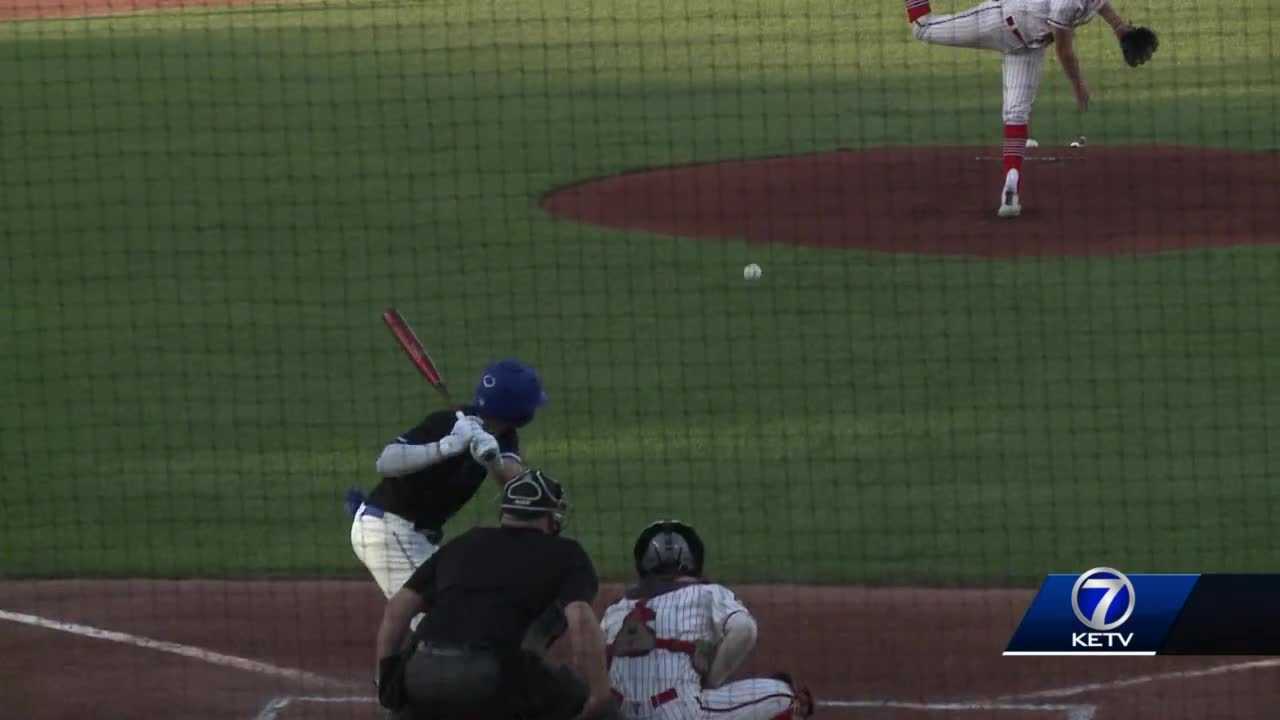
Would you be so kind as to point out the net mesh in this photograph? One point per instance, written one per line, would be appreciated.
(887, 432)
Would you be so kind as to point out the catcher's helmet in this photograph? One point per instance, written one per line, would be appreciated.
(534, 493)
(509, 390)
(668, 547)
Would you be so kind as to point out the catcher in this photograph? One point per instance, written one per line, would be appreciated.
(675, 638)
(1021, 30)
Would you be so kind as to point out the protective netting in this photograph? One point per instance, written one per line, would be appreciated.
(887, 431)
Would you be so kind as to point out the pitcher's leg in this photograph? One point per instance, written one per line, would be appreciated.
(980, 27)
(917, 9)
(1022, 73)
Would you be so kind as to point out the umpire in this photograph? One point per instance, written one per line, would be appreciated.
(495, 599)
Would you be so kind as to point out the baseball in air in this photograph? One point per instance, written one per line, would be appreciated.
(752, 272)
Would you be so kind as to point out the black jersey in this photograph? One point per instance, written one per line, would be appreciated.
(431, 496)
(489, 584)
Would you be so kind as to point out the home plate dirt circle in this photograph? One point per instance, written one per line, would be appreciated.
(941, 200)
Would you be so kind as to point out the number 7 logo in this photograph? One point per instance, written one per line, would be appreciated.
(1097, 579)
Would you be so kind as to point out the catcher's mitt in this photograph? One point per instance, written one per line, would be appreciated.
(1139, 44)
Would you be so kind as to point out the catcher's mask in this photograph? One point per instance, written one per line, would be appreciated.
(532, 494)
(668, 547)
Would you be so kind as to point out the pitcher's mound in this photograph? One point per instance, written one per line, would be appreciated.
(1095, 201)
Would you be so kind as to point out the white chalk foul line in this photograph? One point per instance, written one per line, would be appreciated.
(213, 658)
(1073, 690)
(1072, 712)
(273, 708)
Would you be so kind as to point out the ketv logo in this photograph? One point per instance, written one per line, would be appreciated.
(1101, 612)
(1102, 599)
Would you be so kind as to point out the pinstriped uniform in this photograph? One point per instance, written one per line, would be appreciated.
(1020, 30)
(663, 684)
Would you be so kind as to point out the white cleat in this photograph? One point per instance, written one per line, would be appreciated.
(1010, 206)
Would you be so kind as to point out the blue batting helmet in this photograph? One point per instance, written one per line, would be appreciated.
(510, 390)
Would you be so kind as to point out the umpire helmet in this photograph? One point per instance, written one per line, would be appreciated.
(668, 547)
(532, 494)
(510, 390)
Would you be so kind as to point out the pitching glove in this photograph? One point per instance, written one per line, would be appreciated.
(484, 447)
(1138, 44)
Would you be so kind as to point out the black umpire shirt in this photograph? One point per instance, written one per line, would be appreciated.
(429, 497)
(489, 584)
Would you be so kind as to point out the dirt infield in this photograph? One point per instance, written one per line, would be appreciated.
(1095, 201)
(290, 650)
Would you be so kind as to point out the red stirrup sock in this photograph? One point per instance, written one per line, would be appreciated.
(917, 9)
(1015, 147)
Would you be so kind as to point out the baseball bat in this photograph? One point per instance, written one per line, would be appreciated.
(418, 354)
(421, 359)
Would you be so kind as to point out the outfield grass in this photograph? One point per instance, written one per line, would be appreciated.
(204, 213)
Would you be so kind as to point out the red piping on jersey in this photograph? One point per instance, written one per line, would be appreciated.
(679, 646)
(659, 643)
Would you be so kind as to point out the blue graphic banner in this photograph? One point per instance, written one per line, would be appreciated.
(1102, 612)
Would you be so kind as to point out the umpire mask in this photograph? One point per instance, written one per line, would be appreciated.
(532, 494)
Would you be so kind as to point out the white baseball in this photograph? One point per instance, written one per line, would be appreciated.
(752, 272)
(1032, 143)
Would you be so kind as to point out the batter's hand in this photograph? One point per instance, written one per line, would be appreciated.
(484, 448)
(466, 427)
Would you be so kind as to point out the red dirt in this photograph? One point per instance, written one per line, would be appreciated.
(45, 9)
(1095, 201)
(857, 644)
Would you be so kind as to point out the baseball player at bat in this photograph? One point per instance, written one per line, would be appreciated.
(675, 638)
(431, 471)
(1022, 30)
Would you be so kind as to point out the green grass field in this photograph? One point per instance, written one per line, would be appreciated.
(204, 213)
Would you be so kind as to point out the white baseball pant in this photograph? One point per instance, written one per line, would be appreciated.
(756, 699)
(389, 547)
(986, 27)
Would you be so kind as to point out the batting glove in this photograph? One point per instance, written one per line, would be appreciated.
(466, 427)
(484, 447)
